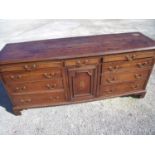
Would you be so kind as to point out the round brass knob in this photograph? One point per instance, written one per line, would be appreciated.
(34, 66)
(22, 100)
(135, 86)
(110, 68)
(86, 61)
(28, 100)
(110, 91)
(57, 97)
(19, 76)
(138, 76)
(24, 87)
(12, 76)
(17, 88)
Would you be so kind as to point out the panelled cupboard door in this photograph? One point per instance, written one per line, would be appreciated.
(82, 82)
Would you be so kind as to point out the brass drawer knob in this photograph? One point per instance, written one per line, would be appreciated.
(83, 62)
(113, 68)
(49, 75)
(110, 91)
(51, 86)
(138, 76)
(30, 68)
(19, 76)
(78, 63)
(20, 88)
(25, 100)
(86, 61)
(130, 57)
(111, 80)
(141, 65)
(17, 88)
(55, 97)
(13, 77)
(135, 86)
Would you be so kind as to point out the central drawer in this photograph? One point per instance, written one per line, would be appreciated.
(82, 62)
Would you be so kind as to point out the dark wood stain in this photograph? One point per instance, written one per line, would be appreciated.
(79, 46)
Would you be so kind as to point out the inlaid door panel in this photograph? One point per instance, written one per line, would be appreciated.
(82, 82)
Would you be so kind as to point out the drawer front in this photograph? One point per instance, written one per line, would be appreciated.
(118, 89)
(47, 85)
(112, 78)
(82, 61)
(45, 74)
(54, 98)
(128, 56)
(125, 65)
(30, 67)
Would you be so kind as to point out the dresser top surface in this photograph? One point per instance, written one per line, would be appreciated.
(65, 48)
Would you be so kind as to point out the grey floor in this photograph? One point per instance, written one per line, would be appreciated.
(112, 116)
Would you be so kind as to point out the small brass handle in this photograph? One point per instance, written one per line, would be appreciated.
(141, 65)
(55, 98)
(86, 61)
(19, 76)
(17, 88)
(24, 87)
(110, 91)
(30, 68)
(138, 76)
(135, 86)
(110, 68)
(111, 80)
(49, 75)
(131, 57)
(20, 89)
(13, 77)
(25, 100)
(113, 68)
(51, 86)
(78, 62)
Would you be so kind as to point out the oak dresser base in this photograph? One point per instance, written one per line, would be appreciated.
(75, 70)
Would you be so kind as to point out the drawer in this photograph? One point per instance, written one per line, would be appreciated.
(29, 67)
(29, 87)
(119, 77)
(128, 56)
(125, 65)
(118, 89)
(22, 76)
(54, 98)
(82, 61)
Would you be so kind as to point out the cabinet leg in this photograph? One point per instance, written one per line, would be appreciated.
(141, 95)
(17, 112)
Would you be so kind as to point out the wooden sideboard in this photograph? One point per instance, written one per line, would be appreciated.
(78, 69)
